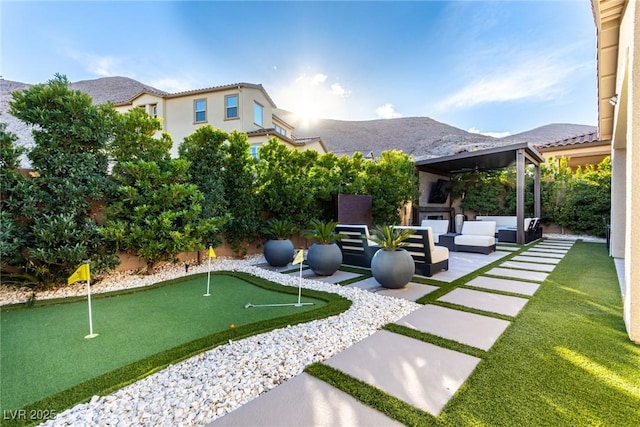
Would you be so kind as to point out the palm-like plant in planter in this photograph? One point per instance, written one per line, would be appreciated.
(279, 251)
(392, 266)
(324, 256)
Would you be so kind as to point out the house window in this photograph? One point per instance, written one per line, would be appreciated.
(254, 151)
(257, 113)
(200, 110)
(154, 110)
(280, 130)
(231, 106)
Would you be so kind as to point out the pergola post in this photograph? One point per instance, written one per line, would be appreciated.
(520, 163)
(537, 193)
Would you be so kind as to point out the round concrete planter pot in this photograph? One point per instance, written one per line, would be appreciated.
(278, 253)
(324, 259)
(392, 269)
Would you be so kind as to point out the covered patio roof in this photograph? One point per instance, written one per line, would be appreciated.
(489, 159)
(481, 160)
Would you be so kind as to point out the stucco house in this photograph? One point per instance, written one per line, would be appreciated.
(244, 107)
(618, 39)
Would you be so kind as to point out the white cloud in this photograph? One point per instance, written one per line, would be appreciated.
(103, 66)
(387, 111)
(337, 89)
(493, 134)
(541, 78)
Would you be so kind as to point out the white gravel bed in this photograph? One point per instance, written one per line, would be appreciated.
(207, 386)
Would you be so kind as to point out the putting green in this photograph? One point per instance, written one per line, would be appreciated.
(43, 350)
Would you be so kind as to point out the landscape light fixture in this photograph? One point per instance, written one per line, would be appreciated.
(613, 100)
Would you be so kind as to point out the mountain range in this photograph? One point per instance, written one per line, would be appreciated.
(420, 137)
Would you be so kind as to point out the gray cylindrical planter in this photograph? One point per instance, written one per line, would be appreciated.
(324, 259)
(392, 269)
(278, 253)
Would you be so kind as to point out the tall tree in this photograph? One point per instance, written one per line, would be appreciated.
(156, 212)
(240, 190)
(204, 149)
(392, 182)
(70, 173)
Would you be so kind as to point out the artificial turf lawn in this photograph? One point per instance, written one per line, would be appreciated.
(566, 359)
(44, 351)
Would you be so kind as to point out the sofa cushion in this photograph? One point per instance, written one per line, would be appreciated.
(439, 254)
(474, 240)
(438, 227)
(501, 221)
(479, 228)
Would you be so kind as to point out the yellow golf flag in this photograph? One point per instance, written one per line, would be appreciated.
(211, 253)
(81, 274)
(299, 258)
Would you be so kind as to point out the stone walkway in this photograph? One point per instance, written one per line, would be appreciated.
(421, 374)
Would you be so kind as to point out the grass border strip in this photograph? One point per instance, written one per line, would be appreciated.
(435, 340)
(371, 396)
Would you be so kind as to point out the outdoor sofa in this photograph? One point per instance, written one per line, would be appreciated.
(476, 236)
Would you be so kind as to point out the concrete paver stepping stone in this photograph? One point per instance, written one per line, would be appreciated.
(336, 277)
(555, 247)
(485, 301)
(304, 401)
(466, 328)
(423, 375)
(539, 259)
(506, 248)
(505, 285)
(463, 263)
(411, 292)
(542, 254)
(548, 250)
(563, 245)
(528, 266)
(518, 274)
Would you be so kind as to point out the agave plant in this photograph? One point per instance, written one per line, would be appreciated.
(323, 232)
(279, 229)
(390, 238)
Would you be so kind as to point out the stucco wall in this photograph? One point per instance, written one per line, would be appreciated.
(625, 209)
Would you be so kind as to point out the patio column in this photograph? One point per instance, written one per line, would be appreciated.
(537, 194)
(520, 160)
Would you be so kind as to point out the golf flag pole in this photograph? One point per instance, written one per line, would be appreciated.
(83, 273)
(298, 260)
(211, 254)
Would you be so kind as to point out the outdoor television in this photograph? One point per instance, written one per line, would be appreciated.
(440, 191)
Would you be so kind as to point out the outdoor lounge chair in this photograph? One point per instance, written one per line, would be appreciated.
(477, 236)
(533, 231)
(428, 258)
(356, 248)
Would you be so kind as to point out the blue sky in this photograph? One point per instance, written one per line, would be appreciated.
(486, 66)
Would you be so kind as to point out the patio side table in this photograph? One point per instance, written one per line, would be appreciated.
(447, 240)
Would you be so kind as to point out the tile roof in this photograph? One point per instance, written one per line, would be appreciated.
(198, 91)
(574, 140)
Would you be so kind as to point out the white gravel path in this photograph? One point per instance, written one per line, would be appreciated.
(211, 384)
